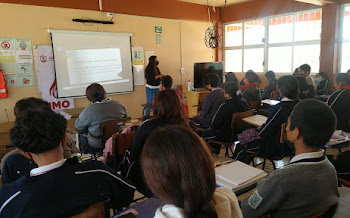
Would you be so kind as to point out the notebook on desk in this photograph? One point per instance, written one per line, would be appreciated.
(238, 175)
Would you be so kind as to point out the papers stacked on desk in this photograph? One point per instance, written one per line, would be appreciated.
(238, 175)
(339, 137)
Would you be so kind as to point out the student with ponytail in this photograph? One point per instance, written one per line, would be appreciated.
(179, 171)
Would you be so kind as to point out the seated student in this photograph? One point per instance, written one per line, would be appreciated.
(305, 70)
(270, 132)
(308, 185)
(323, 84)
(212, 101)
(305, 91)
(179, 170)
(296, 72)
(58, 187)
(271, 86)
(339, 101)
(231, 77)
(341, 163)
(168, 110)
(15, 164)
(100, 110)
(166, 82)
(250, 89)
(222, 120)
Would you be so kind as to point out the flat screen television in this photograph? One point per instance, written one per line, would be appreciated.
(202, 69)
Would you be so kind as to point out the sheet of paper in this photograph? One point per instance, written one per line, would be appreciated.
(7, 44)
(23, 45)
(8, 62)
(25, 69)
(25, 80)
(24, 57)
(139, 75)
(11, 80)
(137, 55)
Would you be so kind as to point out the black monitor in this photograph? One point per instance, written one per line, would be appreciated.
(202, 69)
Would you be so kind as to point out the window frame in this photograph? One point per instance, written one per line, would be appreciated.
(342, 40)
(266, 45)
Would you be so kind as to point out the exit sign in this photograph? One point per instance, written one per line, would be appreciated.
(158, 29)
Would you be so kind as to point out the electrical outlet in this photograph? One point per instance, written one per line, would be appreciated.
(182, 70)
(109, 14)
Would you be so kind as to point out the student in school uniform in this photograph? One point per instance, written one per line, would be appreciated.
(179, 171)
(339, 101)
(250, 90)
(221, 124)
(323, 84)
(166, 82)
(305, 70)
(15, 164)
(168, 110)
(305, 91)
(57, 187)
(101, 109)
(271, 84)
(270, 132)
(231, 77)
(212, 101)
(308, 185)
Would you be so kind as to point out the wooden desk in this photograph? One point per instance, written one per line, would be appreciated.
(193, 100)
(255, 120)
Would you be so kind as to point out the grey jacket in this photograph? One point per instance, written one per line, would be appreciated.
(304, 188)
(96, 113)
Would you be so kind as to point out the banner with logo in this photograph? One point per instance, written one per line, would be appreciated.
(45, 70)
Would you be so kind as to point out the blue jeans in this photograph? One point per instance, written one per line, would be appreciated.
(150, 94)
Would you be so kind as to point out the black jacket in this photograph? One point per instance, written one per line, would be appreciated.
(341, 108)
(223, 118)
(271, 130)
(323, 88)
(151, 76)
(65, 191)
(271, 86)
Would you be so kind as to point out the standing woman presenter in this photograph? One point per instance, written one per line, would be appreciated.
(153, 76)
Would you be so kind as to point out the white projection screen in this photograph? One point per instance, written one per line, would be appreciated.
(82, 58)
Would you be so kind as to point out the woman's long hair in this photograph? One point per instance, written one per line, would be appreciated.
(179, 170)
(152, 65)
(167, 107)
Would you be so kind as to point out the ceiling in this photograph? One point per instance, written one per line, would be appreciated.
(218, 3)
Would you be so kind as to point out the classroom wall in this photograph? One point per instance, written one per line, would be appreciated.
(172, 9)
(32, 22)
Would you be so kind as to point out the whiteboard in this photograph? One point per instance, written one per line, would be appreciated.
(83, 57)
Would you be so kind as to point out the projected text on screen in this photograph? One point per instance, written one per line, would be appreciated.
(93, 65)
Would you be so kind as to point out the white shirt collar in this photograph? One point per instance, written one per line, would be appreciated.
(308, 155)
(286, 99)
(44, 169)
(216, 88)
(104, 101)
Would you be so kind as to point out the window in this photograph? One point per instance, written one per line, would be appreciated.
(279, 43)
(345, 40)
